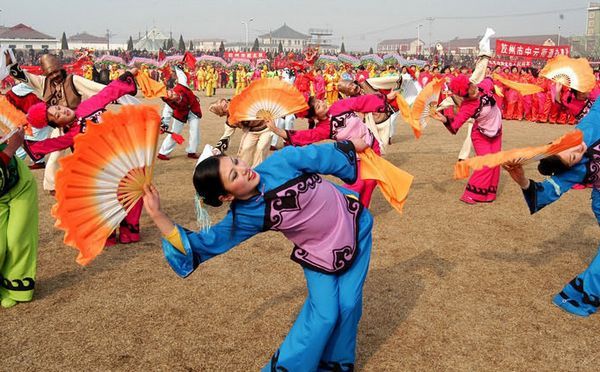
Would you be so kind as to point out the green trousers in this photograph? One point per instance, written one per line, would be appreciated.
(19, 237)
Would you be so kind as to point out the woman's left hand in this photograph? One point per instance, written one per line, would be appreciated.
(151, 200)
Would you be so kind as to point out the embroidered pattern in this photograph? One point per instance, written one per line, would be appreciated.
(593, 166)
(480, 190)
(289, 201)
(27, 284)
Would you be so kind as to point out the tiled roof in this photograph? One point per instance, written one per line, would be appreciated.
(84, 37)
(22, 31)
(284, 32)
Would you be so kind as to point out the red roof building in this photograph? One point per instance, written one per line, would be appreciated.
(24, 37)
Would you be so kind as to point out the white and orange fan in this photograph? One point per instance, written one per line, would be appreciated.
(266, 99)
(103, 179)
(575, 73)
(426, 102)
(522, 155)
(11, 119)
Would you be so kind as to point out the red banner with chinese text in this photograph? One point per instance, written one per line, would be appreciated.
(509, 48)
(248, 55)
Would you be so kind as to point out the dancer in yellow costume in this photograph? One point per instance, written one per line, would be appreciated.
(332, 78)
(240, 79)
(211, 81)
(114, 72)
(200, 78)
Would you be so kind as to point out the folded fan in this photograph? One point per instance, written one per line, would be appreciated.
(523, 88)
(575, 73)
(11, 119)
(523, 155)
(266, 99)
(103, 179)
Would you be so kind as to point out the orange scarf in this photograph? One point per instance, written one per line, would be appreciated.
(394, 182)
(150, 87)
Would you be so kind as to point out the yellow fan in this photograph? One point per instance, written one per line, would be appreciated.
(426, 102)
(574, 73)
(102, 180)
(11, 119)
(523, 155)
(266, 99)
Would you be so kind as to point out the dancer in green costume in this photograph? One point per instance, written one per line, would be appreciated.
(18, 226)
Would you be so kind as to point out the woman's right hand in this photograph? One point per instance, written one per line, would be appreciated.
(437, 116)
(517, 173)
(271, 125)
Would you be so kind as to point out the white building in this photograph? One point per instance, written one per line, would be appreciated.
(207, 45)
(290, 39)
(87, 41)
(24, 37)
(409, 46)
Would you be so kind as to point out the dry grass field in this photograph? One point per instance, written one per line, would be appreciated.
(451, 287)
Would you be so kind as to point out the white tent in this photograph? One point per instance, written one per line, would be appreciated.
(152, 41)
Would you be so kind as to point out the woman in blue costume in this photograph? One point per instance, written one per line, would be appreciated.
(580, 164)
(330, 229)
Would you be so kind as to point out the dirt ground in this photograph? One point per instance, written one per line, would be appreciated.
(451, 287)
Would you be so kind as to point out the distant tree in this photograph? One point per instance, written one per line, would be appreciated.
(343, 48)
(181, 45)
(222, 47)
(191, 46)
(280, 48)
(130, 44)
(371, 50)
(63, 42)
(170, 43)
(256, 45)
(164, 45)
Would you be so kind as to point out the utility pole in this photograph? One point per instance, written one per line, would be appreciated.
(419, 38)
(430, 19)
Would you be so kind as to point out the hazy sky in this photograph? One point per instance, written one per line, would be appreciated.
(361, 24)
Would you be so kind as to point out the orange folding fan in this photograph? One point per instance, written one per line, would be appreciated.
(426, 102)
(102, 180)
(574, 73)
(11, 118)
(523, 155)
(266, 99)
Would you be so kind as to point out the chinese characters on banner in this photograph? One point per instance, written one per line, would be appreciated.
(509, 63)
(248, 55)
(509, 48)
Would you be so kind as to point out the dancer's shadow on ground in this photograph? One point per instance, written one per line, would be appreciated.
(111, 259)
(570, 239)
(391, 293)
